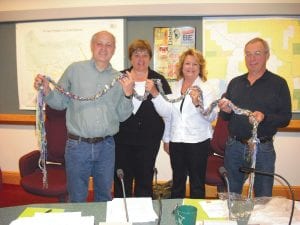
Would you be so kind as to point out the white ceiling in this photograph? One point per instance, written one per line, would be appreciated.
(14, 5)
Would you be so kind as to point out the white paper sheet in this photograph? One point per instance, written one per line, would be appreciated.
(139, 210)
(65, 218)
(215, 208)
(114, 223)
(219, 222)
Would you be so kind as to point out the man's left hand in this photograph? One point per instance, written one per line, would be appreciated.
(258, 116)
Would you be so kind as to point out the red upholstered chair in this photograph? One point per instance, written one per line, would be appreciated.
(31, 174)
(216, 158)
(0, 179)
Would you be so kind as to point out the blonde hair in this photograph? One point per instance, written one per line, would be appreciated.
(200, 60)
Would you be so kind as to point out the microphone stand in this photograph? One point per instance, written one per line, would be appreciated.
(229, 196)
(223, 173)
(121, 175)
(159, 198)
(252, 170)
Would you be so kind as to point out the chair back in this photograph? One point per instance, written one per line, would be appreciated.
(220, 136)
(0, 179)
(215, 161)
(56, 134)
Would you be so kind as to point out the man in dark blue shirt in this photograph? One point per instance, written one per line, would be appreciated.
(267, 96)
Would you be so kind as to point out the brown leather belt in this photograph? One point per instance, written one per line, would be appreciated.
(88, 140)
(245, 141)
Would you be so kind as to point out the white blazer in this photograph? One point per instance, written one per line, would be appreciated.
(183, 121)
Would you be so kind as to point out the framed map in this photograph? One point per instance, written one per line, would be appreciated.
(224, 39)
(49, 47)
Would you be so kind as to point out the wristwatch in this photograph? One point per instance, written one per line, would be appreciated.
(129, 96)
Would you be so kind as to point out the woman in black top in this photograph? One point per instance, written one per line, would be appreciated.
(139, 138)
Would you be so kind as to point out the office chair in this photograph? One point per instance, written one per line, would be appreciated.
(31, 174)
(0, 179)
(216, 158)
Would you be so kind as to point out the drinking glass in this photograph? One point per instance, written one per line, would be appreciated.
(240, 209)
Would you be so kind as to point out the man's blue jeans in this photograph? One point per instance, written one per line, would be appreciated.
(84, 160)
(236, 155)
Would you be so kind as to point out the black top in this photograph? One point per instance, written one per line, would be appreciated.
(269, 94)
(146, 126)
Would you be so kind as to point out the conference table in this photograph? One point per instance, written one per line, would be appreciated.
(278, 213)
(96, 209)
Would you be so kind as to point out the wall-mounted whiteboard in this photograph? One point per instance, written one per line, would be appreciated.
(49, 47)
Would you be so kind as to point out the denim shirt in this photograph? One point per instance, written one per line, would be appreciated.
(98, 117)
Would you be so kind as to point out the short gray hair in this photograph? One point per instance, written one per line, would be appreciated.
(258, 39)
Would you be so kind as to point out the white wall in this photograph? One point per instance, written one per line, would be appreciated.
(16, 140)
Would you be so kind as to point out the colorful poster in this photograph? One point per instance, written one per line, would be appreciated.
(169, 43)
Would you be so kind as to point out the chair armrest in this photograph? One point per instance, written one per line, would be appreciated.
(215, 154)
(29, 163)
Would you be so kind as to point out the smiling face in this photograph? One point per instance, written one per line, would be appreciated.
(256, 56)
(103, 48)
(191, 64)
(140, 60)
(191, 67)
(140, 54)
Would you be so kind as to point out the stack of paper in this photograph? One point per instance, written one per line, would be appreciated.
(274, 210)
(139, 210)
(209, 209)
(57, 218)
(215, 208)
(210, 212)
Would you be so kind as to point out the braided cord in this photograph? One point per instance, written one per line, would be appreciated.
(42, 142)
(252, 142)
(40, 118)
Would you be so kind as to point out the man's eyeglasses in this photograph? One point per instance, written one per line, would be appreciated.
(255, 54)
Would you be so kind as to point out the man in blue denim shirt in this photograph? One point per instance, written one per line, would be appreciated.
(90, 149)
(267, 96)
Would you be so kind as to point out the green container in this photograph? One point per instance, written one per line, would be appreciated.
(185, 215)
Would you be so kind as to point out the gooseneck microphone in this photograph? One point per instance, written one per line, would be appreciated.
(159, 197)
(223, 172)
(120, 175)
(253, 170)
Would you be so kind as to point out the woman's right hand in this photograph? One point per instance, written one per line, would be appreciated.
(224, 105)
(167, 148)
(151, 88)
(194, 93)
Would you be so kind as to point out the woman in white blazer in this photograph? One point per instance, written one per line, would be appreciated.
(187, 131)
